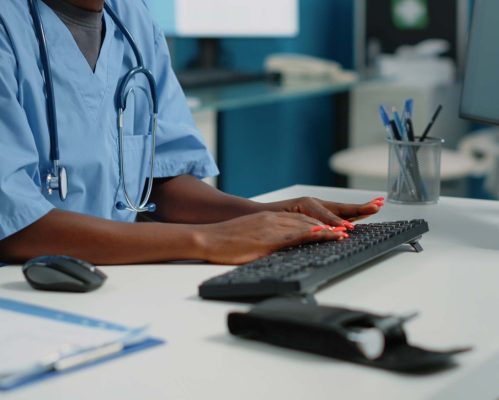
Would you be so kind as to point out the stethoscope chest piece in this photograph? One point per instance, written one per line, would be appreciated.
(57, 180)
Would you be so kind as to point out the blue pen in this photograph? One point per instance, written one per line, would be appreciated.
(390, 126)
(386, 122)
(408, 106)
(400, 126)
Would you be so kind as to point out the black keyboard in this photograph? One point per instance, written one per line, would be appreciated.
(303, 269)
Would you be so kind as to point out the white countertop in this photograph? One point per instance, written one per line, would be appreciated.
(452, 283)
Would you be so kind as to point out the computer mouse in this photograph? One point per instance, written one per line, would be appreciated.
(62, 274)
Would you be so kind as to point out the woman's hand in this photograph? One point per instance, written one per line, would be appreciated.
(247, 238)
(328, 212)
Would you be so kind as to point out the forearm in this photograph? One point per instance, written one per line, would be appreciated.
(101, 241)
(185, 199)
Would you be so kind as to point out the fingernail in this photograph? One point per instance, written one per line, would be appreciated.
(379, 203)
(379, 199)
(346, 235)
(317, 228)
(339, 229)
(349, 225)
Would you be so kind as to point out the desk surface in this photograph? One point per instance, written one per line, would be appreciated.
(453, 283)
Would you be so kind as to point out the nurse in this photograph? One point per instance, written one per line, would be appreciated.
(89, 57)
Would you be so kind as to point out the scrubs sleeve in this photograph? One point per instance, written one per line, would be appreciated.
(180, 147)
(21, 199)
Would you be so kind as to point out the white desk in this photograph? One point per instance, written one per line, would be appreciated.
(453, 283)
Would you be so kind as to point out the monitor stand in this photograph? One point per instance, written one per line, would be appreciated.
(205, 71)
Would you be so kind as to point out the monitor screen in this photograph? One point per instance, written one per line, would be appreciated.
(480, 97)
(226, 18)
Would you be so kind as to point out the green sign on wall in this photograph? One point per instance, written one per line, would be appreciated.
(410, 14)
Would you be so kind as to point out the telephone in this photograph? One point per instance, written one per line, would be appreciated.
(299, 66)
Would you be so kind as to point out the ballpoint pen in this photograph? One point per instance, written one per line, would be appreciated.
(392, 131)
(389, 127)
(408, 107)
(407, 118)
(395, 129)
(400, 126)
(433, 119)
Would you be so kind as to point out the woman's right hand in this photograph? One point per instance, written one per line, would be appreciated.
(247, 238)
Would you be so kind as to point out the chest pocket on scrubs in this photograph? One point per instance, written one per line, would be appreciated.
(136, 144)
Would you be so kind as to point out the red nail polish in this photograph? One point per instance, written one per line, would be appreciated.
(317, 229)
(346, 235)
(348, 225)
(339, 229)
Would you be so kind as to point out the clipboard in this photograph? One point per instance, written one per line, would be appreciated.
(93, 341)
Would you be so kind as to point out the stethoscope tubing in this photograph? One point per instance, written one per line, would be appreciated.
(49, 85)
(57, 178)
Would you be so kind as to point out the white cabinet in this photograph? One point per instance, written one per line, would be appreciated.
(206, 121)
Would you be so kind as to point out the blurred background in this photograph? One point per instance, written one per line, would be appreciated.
(287, 91)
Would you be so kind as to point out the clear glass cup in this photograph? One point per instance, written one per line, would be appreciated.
(414, 171)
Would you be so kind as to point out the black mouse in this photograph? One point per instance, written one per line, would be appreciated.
(62, 274)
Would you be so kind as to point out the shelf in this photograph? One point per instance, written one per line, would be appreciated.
(230, 97)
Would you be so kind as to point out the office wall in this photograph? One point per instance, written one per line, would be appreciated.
(265, 148)
(268, 147)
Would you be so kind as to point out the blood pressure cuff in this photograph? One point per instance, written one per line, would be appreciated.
(327, 331)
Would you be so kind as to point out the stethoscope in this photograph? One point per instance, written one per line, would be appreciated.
(57, 177)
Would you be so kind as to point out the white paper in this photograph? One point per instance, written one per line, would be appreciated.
(26, 340)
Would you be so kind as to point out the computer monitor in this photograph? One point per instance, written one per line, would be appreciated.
(212, 20)
(480, 96)
(226, 18)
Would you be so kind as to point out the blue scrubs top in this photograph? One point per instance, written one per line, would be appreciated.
(86, 117)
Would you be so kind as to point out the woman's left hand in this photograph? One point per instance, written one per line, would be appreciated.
(330, 213)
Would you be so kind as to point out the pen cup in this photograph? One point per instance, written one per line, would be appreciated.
(414, 171)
